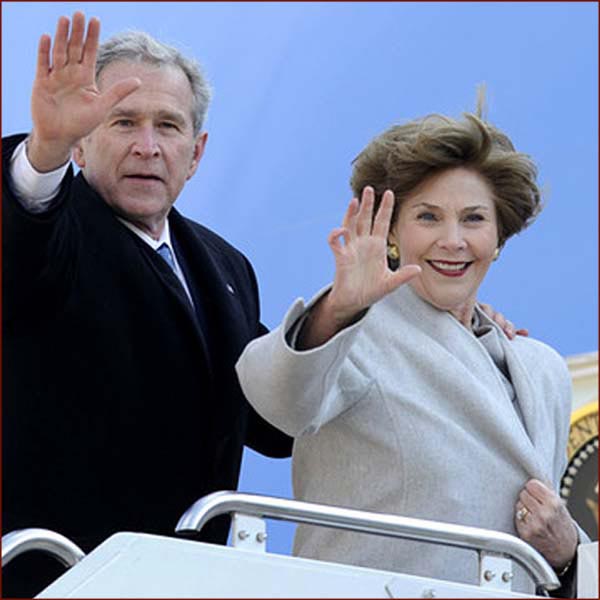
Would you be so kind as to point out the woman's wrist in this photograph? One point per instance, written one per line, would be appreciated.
(323, 322)
(561, 572)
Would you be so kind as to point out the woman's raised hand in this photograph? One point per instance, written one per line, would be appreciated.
(362, 275)
(66, 104)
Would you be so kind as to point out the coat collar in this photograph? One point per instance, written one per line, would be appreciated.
(450, 341)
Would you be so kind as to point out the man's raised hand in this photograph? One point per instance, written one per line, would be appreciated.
(66, 104)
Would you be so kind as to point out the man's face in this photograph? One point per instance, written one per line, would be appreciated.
(139, 158)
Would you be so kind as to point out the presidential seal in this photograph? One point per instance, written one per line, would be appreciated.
(579, 485)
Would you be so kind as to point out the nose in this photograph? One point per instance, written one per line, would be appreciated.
(452, 238)
(145, 144)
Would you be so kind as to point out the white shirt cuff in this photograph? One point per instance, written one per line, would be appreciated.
(34, 190)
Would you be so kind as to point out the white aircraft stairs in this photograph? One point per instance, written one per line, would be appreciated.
(138, 565)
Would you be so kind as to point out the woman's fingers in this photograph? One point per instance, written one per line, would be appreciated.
(539, 491)
(365, 213)
(522, 515)
(402, 276)
(350, 218)
(381, 223)
(334, 238)
(542, 520)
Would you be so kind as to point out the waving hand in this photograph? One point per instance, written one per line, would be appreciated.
(66, 104)
(362, 275)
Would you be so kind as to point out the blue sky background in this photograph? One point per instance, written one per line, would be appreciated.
(300, 89)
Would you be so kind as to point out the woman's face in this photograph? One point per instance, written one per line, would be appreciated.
(449, 228)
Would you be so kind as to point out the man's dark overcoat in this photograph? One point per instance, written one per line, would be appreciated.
(121, 406)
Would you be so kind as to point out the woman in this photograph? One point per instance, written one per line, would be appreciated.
(402, 395)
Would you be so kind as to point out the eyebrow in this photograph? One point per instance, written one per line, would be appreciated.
(161, 114)
(435, 206)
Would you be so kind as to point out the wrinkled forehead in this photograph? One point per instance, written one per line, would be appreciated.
(132, 68)
(164, 85)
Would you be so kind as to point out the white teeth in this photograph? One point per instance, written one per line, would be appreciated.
(444, 266)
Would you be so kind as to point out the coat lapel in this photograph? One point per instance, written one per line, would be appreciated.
(485, 396)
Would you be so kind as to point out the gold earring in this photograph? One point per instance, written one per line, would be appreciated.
(393, 252)
(496, 254)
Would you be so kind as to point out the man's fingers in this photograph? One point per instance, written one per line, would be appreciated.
(486, 308)
(118, 91)
(509, 329)
(75, 42)
(507, 326)
(90, 47)
(59, 50)
(43, 57)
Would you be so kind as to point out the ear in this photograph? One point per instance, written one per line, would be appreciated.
(77, 154)
(199, 146)
(391, 239)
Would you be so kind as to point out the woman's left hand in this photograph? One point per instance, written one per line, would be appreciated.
(542, 520)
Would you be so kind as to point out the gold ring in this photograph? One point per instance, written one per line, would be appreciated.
(522, 513)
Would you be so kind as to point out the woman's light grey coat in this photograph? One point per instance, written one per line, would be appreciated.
(406, 413)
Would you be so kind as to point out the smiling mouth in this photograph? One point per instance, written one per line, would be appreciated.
(450, 268)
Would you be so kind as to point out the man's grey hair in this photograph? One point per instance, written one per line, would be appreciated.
(138, 46)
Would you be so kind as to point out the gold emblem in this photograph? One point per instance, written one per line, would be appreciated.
(579, 485)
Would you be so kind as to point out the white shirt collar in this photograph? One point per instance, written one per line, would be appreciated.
(165, 236)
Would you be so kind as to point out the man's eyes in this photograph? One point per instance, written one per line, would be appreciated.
(126, 123)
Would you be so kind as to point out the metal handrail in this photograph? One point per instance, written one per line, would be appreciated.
(474, 538)
(52, 543)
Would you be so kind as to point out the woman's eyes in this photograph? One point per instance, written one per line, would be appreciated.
(431, 217)
(474, 217)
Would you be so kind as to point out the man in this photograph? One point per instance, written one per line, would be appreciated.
(122, 320)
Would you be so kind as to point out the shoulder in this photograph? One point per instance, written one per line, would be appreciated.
(212, 241)
(217, 256)
(546, 368)
(220, 249)
(531, 349)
